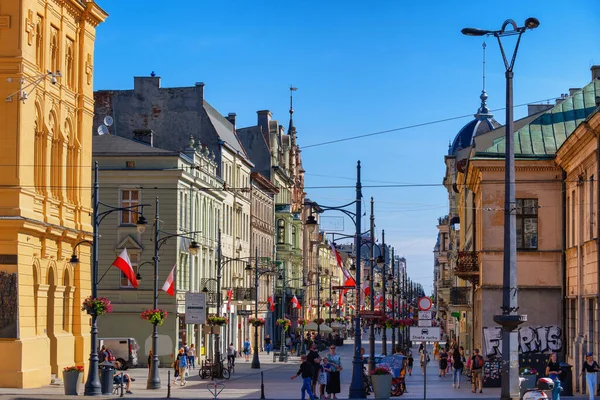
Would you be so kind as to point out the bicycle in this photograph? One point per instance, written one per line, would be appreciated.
(215, 371)
(230, 365)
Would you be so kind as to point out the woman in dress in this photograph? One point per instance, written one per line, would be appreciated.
(436, 350)
(333, 385)
(443, 362)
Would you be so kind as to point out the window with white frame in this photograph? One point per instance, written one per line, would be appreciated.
(129, 198)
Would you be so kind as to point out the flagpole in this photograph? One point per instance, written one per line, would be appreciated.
(154, 376)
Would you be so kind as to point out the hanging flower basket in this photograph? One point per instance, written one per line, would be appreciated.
(256, 321)
(329, 320)
(284, 323)
(217, 321)
(318, 321)
(96, 306)
(156, 316)
(302, 322)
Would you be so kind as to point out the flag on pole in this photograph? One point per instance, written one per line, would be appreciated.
(340, 300)
(229, 297)
(295, 302)
(124, 264)
(327, 303)
(367, 291)
(338, 258)
(352, 307)
(271, 303)
(169, 285)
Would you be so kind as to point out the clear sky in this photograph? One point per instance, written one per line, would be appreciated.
(361, 67)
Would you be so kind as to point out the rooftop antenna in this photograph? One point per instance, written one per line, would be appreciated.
(292, 90)
(484, 111)
(483, 45)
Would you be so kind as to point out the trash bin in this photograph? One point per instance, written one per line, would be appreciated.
(566, 379)
(107, 373)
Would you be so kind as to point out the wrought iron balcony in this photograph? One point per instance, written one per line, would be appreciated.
(460, 296)
(467, 266)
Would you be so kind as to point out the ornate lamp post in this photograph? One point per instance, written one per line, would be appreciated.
(510, 318)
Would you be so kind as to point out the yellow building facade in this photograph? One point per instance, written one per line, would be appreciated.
(45, 196)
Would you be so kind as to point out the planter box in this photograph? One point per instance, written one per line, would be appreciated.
(72, 379)
(382, 386)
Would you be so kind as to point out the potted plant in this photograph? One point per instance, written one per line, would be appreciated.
(256, 321)
(72, 378)
(284, 323)
(156, 316)
(529, 377)
(302, 322)
(96, 306)
(381, 378)
(213, 320)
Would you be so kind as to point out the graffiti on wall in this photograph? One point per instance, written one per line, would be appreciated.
(531, 340)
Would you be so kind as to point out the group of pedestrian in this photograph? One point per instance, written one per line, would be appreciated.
(324, 371)
(184, 361)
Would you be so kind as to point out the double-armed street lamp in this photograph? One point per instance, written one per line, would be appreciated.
(510, 318)
(92, 384)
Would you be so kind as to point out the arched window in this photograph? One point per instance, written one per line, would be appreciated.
(38, 151)
(69, 65)
(54, 52)
(39, 45)
(280, 231)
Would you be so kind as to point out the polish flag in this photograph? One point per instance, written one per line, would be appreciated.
(379, 299)
(271, 303)
(169, 285)
(337, 256)
(340, 300)
(389, 304)
(295, 302)
(352, 307)
(367, 291)
(327, 303)
(229, 297)
(124, 264)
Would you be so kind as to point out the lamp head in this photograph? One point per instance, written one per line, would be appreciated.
(141, 224)
(248, 268)
(74, 259)
(380, 261)
(532, 23)
(474, 32)
(311, 224)
(194, 248)
(138, 277)
(280, 277)
(204, 289)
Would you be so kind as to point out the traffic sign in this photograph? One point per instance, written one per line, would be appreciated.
(425, 303)
(425, 315)
(195, 308)
(425, 334)
(424, 322)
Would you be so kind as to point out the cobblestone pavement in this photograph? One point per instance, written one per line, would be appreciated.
(245, 383)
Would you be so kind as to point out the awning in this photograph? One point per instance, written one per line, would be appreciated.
(312, 326)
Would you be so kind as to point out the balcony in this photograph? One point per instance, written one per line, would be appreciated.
(460, 296)
(467, 266)
(244, 294)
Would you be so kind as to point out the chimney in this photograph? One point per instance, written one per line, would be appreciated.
(231, 118)
(200, 91)
(144, 136)
(264, 117)
(595, 71)
(537, 108)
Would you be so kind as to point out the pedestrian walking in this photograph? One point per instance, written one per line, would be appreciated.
(443, 362)
(424, 359)
(191, 353)
(314, 360)
(267, 342)
(246, 350)
(182, 365)
(459, 365)
(476, 371)
(436, 350)
(590, 367)
(411, 361)
(323, 377)
(306, 370)
(333, 386)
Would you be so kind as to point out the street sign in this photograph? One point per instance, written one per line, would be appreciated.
(425, 303)
(244, 312)
(195, 308)
(424, 322)
(425, 315)
(425, 334)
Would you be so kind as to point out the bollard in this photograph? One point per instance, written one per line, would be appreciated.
(262, 386)
(122, 377)
(168, 384)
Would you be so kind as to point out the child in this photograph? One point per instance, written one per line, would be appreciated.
(411, 360)
(306, 370)
(324, 369)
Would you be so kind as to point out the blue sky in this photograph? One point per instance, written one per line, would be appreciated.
(360, 67)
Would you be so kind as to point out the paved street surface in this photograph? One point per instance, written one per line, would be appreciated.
(245, 382)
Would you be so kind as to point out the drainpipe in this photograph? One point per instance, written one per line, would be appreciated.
(565, 290)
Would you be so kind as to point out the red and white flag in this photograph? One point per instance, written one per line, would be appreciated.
(327, 303)
(367, 291)
(271, 303)
(169, 285)
(229, 297)
(124, 264)
(338, 258)
(295, 302)
(379, 299)
(352, 307)
(340, 301)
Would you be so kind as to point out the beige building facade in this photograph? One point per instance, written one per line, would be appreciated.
(46, 137)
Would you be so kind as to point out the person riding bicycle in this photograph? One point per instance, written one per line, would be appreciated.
(231, 352)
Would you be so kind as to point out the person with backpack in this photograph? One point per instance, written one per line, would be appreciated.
(477, 371)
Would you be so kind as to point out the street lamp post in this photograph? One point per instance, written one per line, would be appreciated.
(391, 277)
(372, 289)
(92, 384)
(383, 304)
(357, 386)
(510, 318)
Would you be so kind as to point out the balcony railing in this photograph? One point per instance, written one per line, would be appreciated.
(460, 296)
(467, 266)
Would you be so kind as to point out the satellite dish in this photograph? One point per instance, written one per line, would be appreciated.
(108, 120)
(102, 130)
